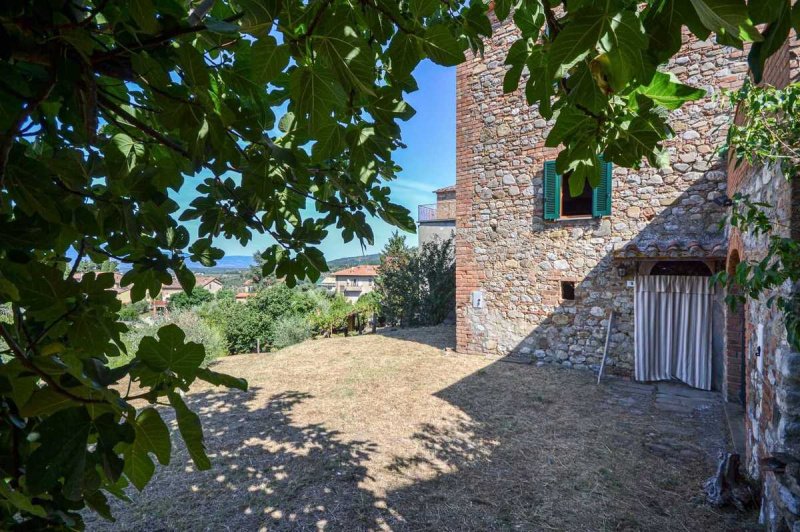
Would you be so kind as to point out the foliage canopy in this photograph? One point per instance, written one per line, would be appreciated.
(268, 108)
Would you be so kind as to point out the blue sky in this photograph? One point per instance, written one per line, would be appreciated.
(428, 163)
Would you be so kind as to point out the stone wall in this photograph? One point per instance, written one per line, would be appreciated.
(772, 373)
(506, 250)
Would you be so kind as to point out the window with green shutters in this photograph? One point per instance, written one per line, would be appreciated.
(555, 187)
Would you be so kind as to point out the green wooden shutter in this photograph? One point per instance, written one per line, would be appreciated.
(601, 195)
(552, 191)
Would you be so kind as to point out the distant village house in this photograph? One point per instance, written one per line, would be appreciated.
(354, 282)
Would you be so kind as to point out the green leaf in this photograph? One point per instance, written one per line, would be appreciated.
(405, 54)
(63, 439)
(268, 59)
(423, 8)
(796, 19)
(529, 18)
(220, 26)
(143, 12)
(775, 34)
(511, 79)
(139, 468)
(578, 39)
(152, 434)
(221, 379)
(626, 45)
(584, 90)
(727, 16)
(185, 278)
(665, 90)
(330, 141)
(191, 431)
(20, 500)
(316, 94)
(193, 65)
(570, 122)
(442, 47)
(502, 8)
(45, 401)
(762, 11)
(98, 502)
(124, 143)
(170, 352)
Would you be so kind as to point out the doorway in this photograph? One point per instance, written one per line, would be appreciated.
(673, 314)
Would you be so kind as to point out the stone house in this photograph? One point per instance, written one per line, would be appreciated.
(438, 220)
(206, 282)
(540, 275)
(537, 277)
(354, 282)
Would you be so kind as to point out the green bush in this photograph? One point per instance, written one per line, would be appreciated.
(244, 325)
(132, 311)
(239, 323)
(225, 294)
(182, 300)
(334, 317)
(290, 330)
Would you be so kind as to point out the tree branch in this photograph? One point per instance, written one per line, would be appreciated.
(19, 354)
(169, 143)
(78, 259)
(7, 138)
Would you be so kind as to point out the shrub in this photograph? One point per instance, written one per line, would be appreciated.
(334, 317)
(182, 300)
(132, 311)
(240, 324)
(290, 330)
(225, 293)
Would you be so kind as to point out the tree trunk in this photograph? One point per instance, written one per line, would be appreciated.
(727, 487)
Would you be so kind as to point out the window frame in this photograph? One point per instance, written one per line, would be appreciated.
(553, 189)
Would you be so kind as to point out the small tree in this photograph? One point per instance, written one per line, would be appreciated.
(396, 282)
(437, 278)
(416, 287)
(368, 306)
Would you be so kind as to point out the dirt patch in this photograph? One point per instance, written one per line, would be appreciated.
(388, 432)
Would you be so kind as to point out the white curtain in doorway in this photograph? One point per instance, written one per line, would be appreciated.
(673, 329)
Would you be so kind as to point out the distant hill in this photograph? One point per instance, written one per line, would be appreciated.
(348, 262)
(228, 262)
(243, 262)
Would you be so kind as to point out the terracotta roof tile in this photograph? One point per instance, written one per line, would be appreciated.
(675, 248)
(360, 270)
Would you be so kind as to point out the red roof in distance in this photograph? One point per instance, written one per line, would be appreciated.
(362, 270)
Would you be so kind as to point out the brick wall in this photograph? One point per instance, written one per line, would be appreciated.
(505, 248)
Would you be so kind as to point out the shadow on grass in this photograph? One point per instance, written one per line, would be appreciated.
(525, 449)
(266, 472)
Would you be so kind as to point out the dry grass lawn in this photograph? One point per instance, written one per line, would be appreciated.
(386, 432)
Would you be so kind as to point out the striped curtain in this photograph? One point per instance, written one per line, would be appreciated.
(673, 329)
